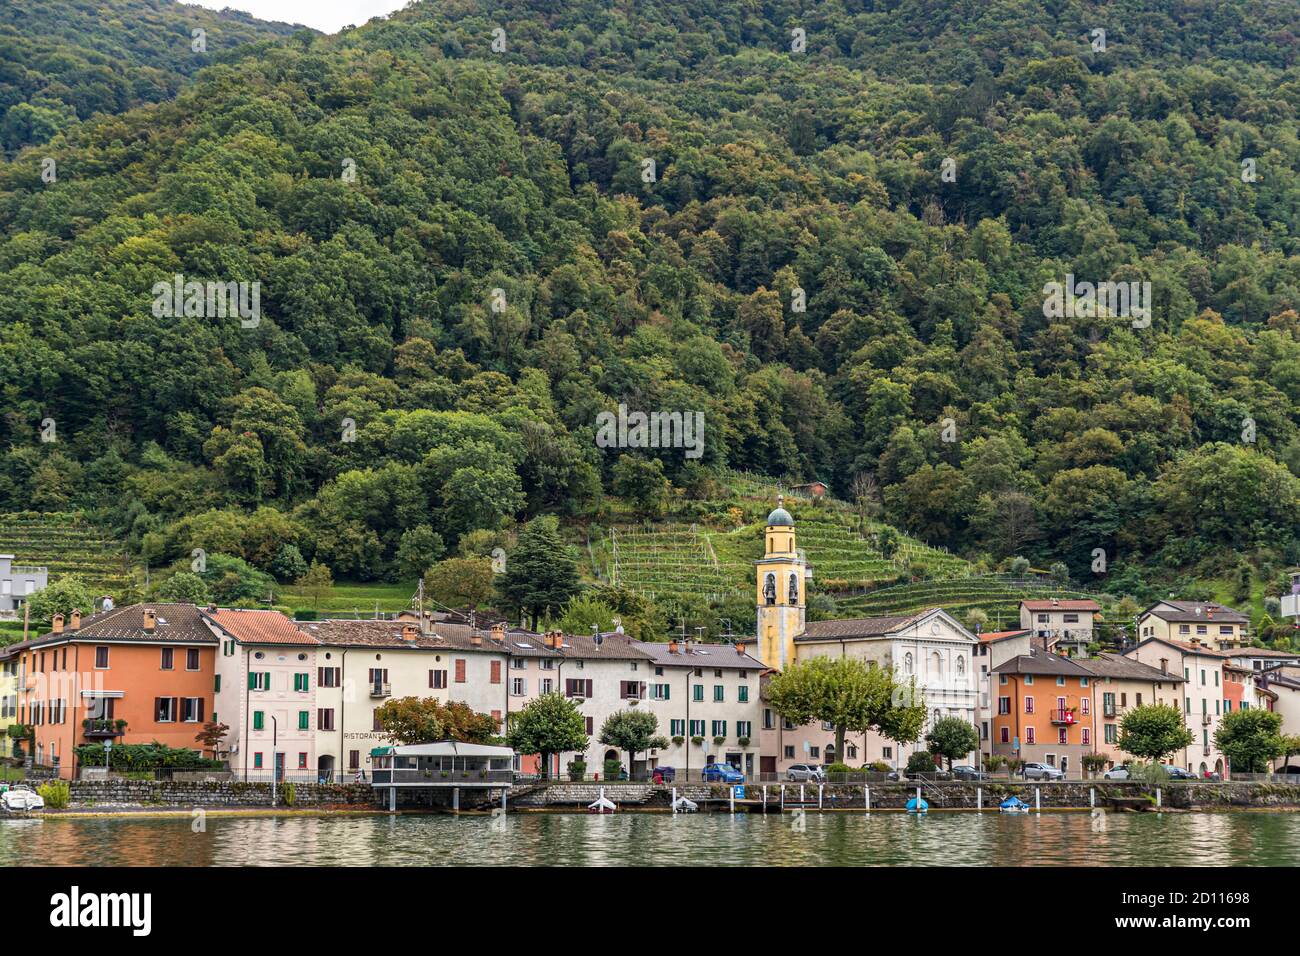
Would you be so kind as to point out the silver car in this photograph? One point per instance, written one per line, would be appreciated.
(805, 771)
(1042, 771)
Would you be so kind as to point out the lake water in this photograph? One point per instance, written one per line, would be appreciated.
(632, 839)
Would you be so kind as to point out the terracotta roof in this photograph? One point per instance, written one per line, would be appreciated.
(1041, 662)
(1185, 612)
(177, 623)
(258, 627)
(370, 633)
(699, 655)
(1116, 665)
(1262, 652)
(1085, 604)
(855, 627)
(1187, 647)
(613, 645)
(991, 637)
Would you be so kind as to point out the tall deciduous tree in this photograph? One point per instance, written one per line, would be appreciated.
(952, 738)
(631, 731)
(846, 693)
(547, 725)
(1153, 732)
(1251, 739)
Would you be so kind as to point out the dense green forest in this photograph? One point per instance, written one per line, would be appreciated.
(465, 255)
(62, 61)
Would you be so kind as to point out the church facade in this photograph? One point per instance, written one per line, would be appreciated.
(930, 647)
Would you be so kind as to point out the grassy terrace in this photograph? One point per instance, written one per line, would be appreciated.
(351, 599)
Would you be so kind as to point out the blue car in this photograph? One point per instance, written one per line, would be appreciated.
(722, 773)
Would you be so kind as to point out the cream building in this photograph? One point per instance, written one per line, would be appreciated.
(1196, 622)
(1063, 625)
(931, 648)
(1203, 695)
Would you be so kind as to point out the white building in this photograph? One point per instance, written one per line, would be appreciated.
(1201, 668)
(18, 583)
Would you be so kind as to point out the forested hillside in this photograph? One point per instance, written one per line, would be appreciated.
(465, 255)
(62, 61)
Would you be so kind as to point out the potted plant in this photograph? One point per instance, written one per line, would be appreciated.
(698, 741)
(577, 770)
(719, 741)
(742, 741)
(678, 741)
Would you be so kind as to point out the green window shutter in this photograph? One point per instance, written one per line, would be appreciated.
(252, 680)
(668, 691)
(257, 720)
(216, 687)
(744, 695)
(302, 720)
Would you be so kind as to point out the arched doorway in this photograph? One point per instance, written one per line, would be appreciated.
(325, 768)
(1218, 767)
(1203, 768)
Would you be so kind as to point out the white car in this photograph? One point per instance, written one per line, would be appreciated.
(1116, 773)
(21, 799)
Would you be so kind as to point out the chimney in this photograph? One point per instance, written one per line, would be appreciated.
(672, 647)
(1164, 665)
(57, 623)
(150, 619)
(75, 624)
(476, 639)
(499, 632)
(686, 647)
(740, 648)
(409, 632)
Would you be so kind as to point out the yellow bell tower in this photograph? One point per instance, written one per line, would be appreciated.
(780, 590)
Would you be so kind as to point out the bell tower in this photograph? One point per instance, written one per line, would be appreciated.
(780, 590)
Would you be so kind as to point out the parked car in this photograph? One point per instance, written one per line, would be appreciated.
(663, 775)
(21, 798)
(722, 773)
(1178, 773)
(965, 772)
(805, 771)
(1116, 773)
(1042, 771)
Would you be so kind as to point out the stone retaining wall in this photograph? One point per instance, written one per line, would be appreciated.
(121, 792)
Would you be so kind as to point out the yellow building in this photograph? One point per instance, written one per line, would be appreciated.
(780, 591)
(1195, 622)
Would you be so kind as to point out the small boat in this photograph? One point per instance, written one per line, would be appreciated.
(1013, 805)
(601, 805)
(917, 805)
(21, 799)
(682, 805)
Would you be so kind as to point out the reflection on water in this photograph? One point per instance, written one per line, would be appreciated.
(962, 839)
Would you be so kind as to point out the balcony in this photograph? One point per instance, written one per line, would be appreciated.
(102, 729)
(1205, 720)
(1065, 718)
(380, 689)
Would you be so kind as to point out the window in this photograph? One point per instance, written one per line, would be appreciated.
(1029, 678)
(1029, 705)
(719, 728)
(354, 759)
(719, 693)
(168, 655)
(815, 752)
(1225, 629)
(1060, 681)
(660, 691)
(1061, 735)
(697, 692)
(216, 685)
(438, 680)
(590, 726)
(1085, 736)
(304, 720)
(257, 760)
(789, 753)
(302, 683)
(1184, 629)
(1085, 705)
(577, 687)
(325, 718)
(631, 690)
(192, 659)
(518, 664)
(742, 694)
(744, 728)
(302, 761)
(460, 670)
(259, 680)
(375, 723)
(1030, 736)
(257, 720)
(192, 710)
(1004, 705)
(495, 670)
(518, 686)
(768, 722)
(887, 753)
(546, 685)
(328, 676)
(164, 709)
(1071, 619)
(1202, 629)
(1005, 733)
(1112, 734)
(677, 728)
(697, 728)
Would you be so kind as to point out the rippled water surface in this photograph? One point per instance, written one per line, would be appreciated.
(969, 839)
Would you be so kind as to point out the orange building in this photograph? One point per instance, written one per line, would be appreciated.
(130, 675)
(1044, 710)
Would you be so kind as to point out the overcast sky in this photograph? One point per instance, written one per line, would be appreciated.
(327, 15)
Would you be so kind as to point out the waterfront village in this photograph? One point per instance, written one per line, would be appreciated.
(300, 699)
